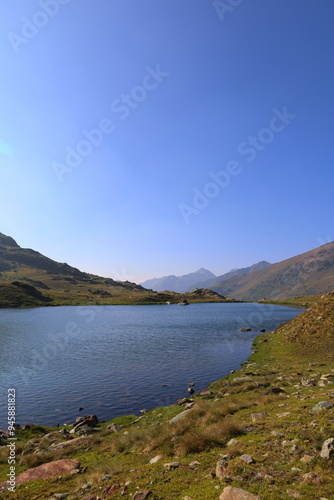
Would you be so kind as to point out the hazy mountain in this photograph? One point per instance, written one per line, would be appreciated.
(179, 283)
(234, 272)
(310, 273)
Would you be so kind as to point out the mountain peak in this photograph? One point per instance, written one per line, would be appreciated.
(8, 241)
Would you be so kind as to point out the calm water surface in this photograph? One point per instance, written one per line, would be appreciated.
(114, 360)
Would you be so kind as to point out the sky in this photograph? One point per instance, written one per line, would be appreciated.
(141, 139)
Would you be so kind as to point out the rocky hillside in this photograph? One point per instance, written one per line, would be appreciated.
(234, 272)
(310, 273)
(28, 278)
(264, 432)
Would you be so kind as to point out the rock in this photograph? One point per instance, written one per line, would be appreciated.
(90, 420)
(221, 470)
(60, 496)
(141, 495)
(51, 469)
(262, 330)
(111, 490)
(155, 459)
(86, 486)
(245, 329)
(193, 464)
(190, 390)
(178, 417)
(205, 392)
(277, 433)
(327, 450)
(275, 390)
(246, 458)
(231, 493)
(306, 459)
(70, 442)
(232, 442)
(172, 465)
(256, 417)
(293, 493)
(319, 407)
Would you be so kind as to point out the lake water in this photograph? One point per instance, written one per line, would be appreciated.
(114, 360)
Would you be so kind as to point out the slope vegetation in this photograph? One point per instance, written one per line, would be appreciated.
(310, 273)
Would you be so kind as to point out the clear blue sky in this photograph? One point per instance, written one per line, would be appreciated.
(182, 91)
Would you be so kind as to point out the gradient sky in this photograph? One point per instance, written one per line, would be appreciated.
(181, 89)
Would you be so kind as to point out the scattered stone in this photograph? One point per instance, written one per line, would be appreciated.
(269, 479)
(246, 458)
(232, 493)
(308, 382)
(306, 459)
(172, 465)
(90, 420)
(106, 477)
(193, 464)
(205, 392)
(275, 390)
(86, 486)
(60, 496)
(256, 417)
(221, 470)
(155, 459)
(319, 407)
(141, 495)
(293, 493)
(178, 417)
(277, 433)
(232, 442)
(285, 414)
(327, 450)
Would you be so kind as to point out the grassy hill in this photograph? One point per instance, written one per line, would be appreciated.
(310, 273)
(260, 429)
(55, 283)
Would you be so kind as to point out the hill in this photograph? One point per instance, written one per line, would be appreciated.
(179, 284)
(264, 432)
(310, 273)
(234, 272)
(28, 278)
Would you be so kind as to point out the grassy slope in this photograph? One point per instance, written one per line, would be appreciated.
(281, 359)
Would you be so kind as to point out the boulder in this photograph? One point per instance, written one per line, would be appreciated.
(319, 407)
(90, 420)
(256, 417)
(327, 450)
(231, 493)
(51, 469)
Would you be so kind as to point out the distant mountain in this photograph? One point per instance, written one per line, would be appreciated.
(234, 272)
(310, 273)
(178, 284)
